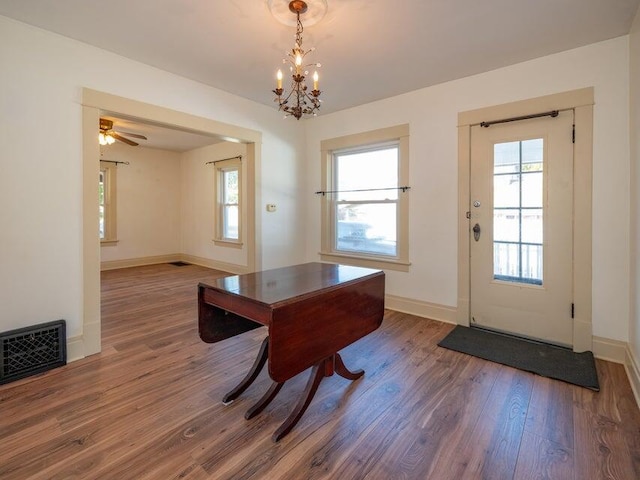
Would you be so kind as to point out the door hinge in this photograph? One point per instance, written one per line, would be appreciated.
(573, 134)
(573, 309)
(468, 215)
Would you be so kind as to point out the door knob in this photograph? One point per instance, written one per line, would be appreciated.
(476, 232)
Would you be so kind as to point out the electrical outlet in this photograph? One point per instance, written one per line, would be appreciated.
(271, 207)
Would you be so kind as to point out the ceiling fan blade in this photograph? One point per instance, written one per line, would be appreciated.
(123, 139)
(134, 135)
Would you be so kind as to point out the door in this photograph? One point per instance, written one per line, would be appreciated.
(521, 218)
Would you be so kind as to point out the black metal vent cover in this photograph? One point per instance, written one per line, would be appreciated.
(31, 350)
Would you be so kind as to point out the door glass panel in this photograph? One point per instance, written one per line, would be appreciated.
(532, 151)
(532, 263)
(506, 157)
(506, 190)
(518, 198)
(532, 189)
(506, 225)
(532, 225)
(506, 260)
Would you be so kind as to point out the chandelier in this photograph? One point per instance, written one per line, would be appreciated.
(300, 101)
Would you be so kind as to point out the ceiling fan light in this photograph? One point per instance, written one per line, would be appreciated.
(102, 139)
(110, 139)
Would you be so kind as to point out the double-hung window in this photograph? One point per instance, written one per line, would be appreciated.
(107, 203)
(365, 199)
(228, 195)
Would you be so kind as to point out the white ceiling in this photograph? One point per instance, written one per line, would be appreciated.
(369, 49)
(160, 137)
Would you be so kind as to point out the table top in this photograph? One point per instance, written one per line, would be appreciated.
(271, 287)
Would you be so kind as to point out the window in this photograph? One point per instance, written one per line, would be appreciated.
(228, 195)
(365, 208)
(107, 203)
(518, 211)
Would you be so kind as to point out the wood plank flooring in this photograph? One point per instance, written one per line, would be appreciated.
(149, 407)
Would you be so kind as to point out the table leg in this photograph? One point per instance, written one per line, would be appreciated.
(264, 401)
(317, 374)
(320, 370)
(343, 371)
(257, 366)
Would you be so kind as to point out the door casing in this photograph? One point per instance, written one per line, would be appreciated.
(582, 102)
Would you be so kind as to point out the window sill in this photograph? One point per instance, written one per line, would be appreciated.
(108, 243)
(227, 243)
(367, 262)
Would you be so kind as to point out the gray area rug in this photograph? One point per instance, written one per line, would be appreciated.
(536, 357)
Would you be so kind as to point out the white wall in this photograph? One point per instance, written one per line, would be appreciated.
(432, 115)
(41, 163)
(148, 202)
(634, 82)
(41, 81)
(198, 203)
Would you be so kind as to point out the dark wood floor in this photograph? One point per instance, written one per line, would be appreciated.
(149, 407)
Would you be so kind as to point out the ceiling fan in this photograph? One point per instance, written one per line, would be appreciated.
(109, 136)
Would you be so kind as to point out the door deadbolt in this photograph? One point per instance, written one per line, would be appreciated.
(476, 204)
(476, 232)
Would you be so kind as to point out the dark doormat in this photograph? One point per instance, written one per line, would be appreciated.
(536, 357)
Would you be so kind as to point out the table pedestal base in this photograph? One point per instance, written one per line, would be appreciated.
(324, 368)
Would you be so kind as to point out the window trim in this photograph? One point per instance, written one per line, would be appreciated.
(110, 204)
(219, 238)
(398, 134)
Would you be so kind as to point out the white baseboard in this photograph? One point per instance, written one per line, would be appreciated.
(608, 349)
(139, 262)
(174, 257)
(632, 367)
(419, 308)
(215, 264)
(75, 349)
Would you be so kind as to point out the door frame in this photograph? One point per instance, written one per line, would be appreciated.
(95, 103)
(581, 101)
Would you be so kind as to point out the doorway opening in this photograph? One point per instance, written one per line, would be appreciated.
(97, 104)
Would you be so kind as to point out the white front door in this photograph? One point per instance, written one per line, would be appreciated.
(521, 218)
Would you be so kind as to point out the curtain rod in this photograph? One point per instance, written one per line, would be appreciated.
(324, 192)
(239, 157)
(114, 161)
(552, 113)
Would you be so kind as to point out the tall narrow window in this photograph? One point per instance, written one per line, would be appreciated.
(107, 203)
(518, 211)
(365, 204)
(228, 185)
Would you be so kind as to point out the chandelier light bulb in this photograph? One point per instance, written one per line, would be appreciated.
(279, 79)
(315, 80)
